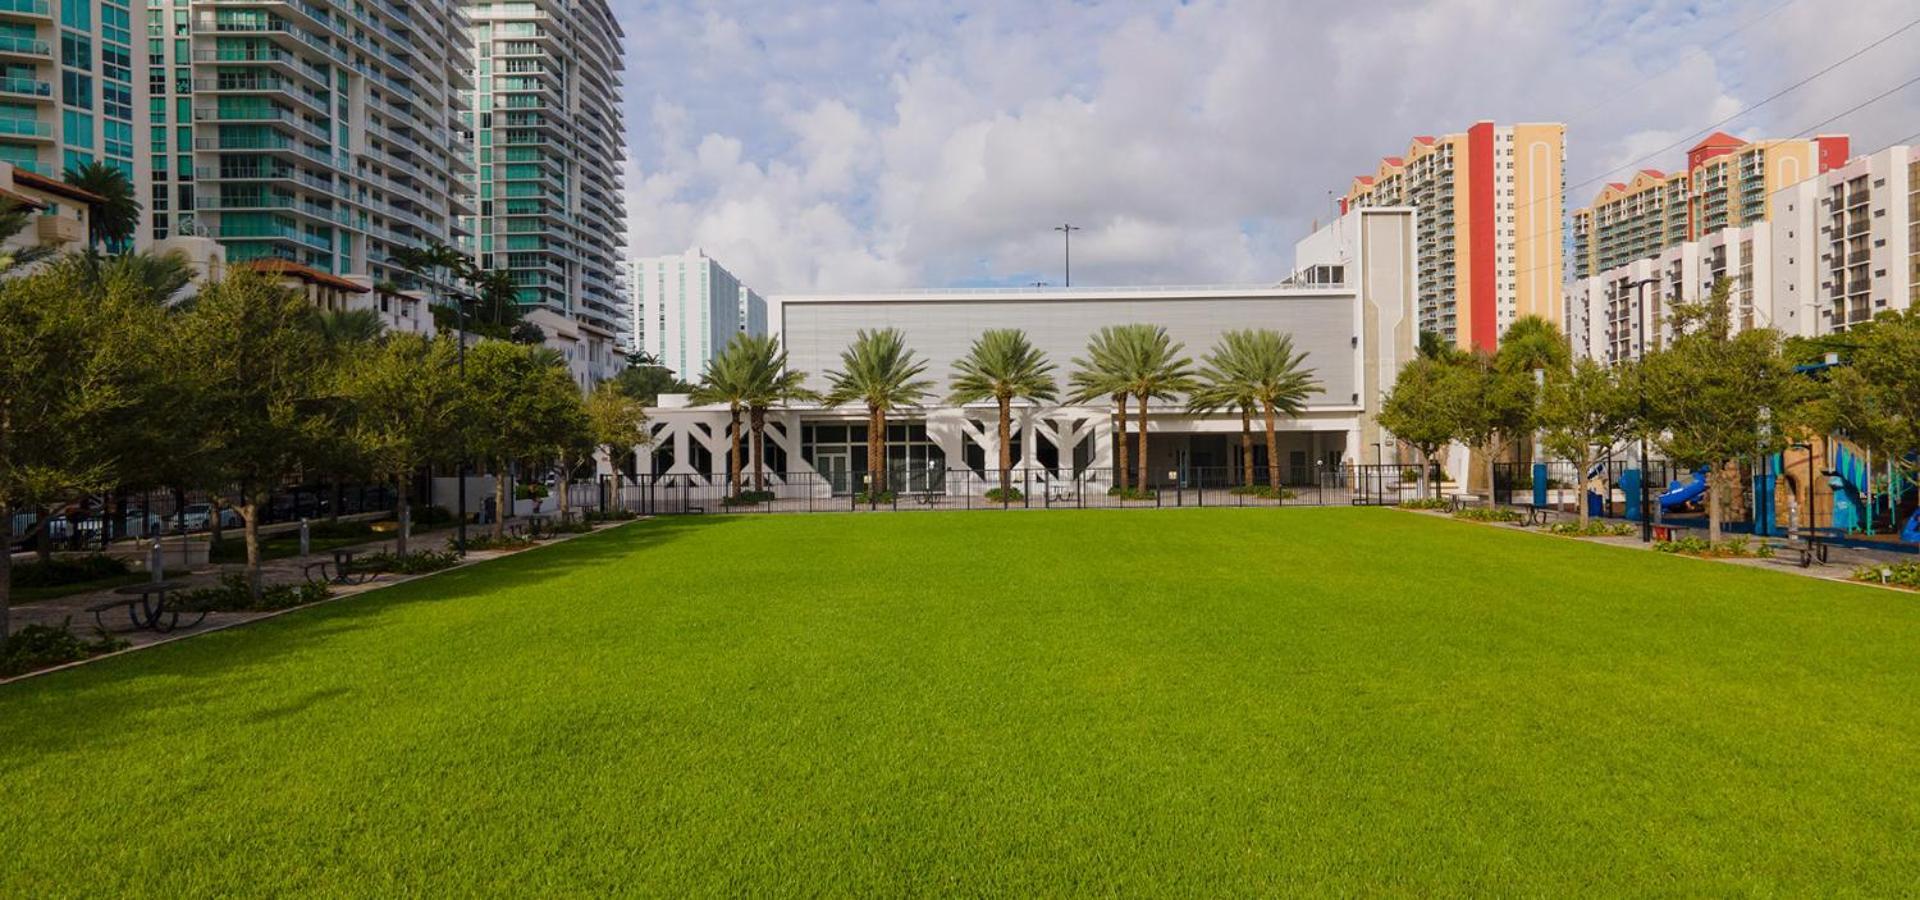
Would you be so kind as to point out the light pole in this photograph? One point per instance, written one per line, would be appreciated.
(1066, 232)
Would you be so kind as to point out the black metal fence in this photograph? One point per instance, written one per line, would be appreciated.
(96, 521)
(971, 489)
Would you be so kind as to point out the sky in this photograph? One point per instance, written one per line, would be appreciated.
(844, 146)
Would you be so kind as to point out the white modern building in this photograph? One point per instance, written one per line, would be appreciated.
(1837, 249)
(687, 307)
(1351, 307)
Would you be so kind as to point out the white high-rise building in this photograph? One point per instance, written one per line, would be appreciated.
(687, 307)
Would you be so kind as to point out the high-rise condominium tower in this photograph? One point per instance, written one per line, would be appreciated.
(326, 132)
(550, 146)
(67, 89)
(1490, 201)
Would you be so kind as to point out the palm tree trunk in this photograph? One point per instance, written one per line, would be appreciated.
(1273, 451)
(759, 425)
(1142, 461)
(1120, 401)
(876, 452)
(733, 452)
(1246, 446)
(1006, 446)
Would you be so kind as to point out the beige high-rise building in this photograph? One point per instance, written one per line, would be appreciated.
(1490, 200)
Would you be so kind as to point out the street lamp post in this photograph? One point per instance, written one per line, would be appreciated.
(1646, 509)
(1066, 232)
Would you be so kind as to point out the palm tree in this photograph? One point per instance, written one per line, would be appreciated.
(1534, 344)
(1005, 366)
(878, 370)
(1275, 378)
(159, 277)
(499, 296)
(772, 383)
(435, 264)
(111, 220)
(729, 379)
(1102, 374)
(343, 329)
(1157, 372)
(1222, 387)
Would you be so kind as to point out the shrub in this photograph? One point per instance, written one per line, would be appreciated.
(1483, 514)
(1592, 529)
(576, 526)
(535, 491)
(1131, 493)
(1733, 548)
(1264, 492)
(1906, 574)
(1006, 495)
(65, 570)
(750, 498)
(419, 562)
(1429, 503)
(882, 498)
(489, 542)
(231, 595)
(612, 515)
(38, 647)
(430, 517)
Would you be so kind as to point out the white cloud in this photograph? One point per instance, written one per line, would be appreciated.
(838, 145)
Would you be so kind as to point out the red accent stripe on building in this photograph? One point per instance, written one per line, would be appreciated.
(1481, 299)
(1834, 149)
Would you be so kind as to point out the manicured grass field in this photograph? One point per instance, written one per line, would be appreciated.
(1222, 702)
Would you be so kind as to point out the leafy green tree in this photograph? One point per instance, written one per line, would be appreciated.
(1875, 397)
(729, 380)
(645, 379)
(1587, 415)
(1004, 366)
(112, 220)
(525, 409)
(1103, 373)
(72, 365)
(1716, 396)
(618, 423)
(773, 383)
(264, 375)
(881, 372)
(1435, 346)
(1419, 410)
(1159, 372)
(1491, 408)
(408, 408)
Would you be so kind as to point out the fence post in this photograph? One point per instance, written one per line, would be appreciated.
(1026, 488)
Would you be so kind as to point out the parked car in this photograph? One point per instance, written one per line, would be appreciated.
(199, 517)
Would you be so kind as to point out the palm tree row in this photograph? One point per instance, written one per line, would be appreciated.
(1131, 366)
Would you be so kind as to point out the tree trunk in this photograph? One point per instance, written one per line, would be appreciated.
(565, 484)
(876, 453)
(1006, 446)
(1273, 451)
(6, 571)
(1246, 446)
(250, 517)
(214, 530)
(1426, 474)
(1713, 505)
(1493, 487)
(1120, 401)
(614, 463)
(404, 514)
(759, 425)
(501, 509)
(733, 451)
(1142, 461)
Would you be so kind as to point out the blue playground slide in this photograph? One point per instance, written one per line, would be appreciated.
(1596, 500)
(1679, 494)
(1911, 532)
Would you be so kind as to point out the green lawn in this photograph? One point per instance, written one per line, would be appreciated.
(1222, 702)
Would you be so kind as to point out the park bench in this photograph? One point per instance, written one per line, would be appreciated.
(1670, 532)
(927, 498)
(1538, 517)
(1803, 555)
(344, 571)
(147, 607)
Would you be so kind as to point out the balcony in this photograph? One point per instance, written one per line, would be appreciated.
(30, 48)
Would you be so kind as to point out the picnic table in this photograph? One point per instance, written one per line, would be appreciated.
(147, 607)
(343, 569)
(1537, 517)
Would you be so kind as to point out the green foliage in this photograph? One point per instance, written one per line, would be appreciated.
(1875, 397)
(407, 406)
(1905, 574)
(1005, 495)
(616, 421)
(1534, 343)
(881, 498)
(64, 570)
(1003, 366)
(612, 515)
(1587, 413)
(37, 647)
(645, 380)
(750, 498)
(419, 562)
(1489, 514)
(235, 594)
(880, 372)
(483, 543)
(112, 220)
(1428, 504)
(530, 491)
(1592, 529)
(1131, 493)
(1732, 548)
(1256, 370)
(1264, 492)
(1419, 409)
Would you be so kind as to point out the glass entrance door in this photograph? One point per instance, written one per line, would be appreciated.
(837, 469)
